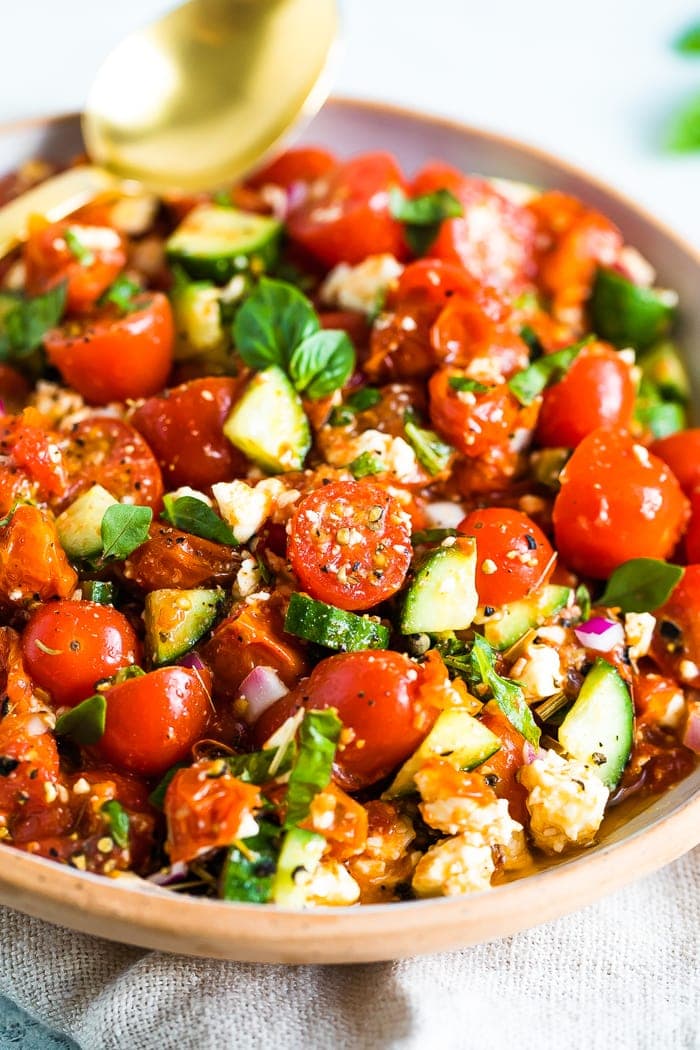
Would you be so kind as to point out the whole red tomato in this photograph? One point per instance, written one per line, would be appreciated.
(681, 452)
(475, 420)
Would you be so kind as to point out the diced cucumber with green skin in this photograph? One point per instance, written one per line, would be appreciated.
(458, 738)
(99, 591)
(443, 596)
(268, 424)
(214, 243)
(547, 465)
(299, 858)
(80, 525)
(334, 628)
(663, 366)
(599, 728)
(176, 619)
(627, 314)
(512, 621)
(197, 313)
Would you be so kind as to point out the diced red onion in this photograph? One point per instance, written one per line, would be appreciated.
(531, 753)
(297, 192)
(600, 635)
(261, 688)
(193, 661)
(2, 407)
(691, 736)
(177, 872)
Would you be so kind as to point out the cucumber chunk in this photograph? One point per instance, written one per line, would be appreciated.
(197, 313)
(458, 737)
(214, 243)
(176, 619)
(627, 314)
(598, 729)
(99, 591)
(80, 525)
(334, 628)
(663, 366)
(443, 594)
(299, 857)
(512, 621)
(269, 424)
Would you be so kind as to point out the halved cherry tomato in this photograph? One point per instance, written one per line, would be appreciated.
(681, 452)
(171, 558)
(676, 646)
(153, 720)
(506, 762)
(399, 346)
(493, 239)
(30, 766)
(340, 819)
(438, 280)
(108, 452)
(32, 460)
(112, 357)
(184, 427)
(87, 257)
(472, 421)
(69, 646)
(350, 218)
(617, 501)
(206, 807)
(302, 164)
(350, 544)
(514, 555)
(378, 697)
(33, 565)
(466, 336)
(655, 696)
(597, 391)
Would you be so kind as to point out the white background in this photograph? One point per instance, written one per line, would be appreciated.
(592, 82)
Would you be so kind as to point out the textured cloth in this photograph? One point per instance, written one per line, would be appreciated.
(621, 974)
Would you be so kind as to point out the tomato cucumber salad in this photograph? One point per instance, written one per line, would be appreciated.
(349, 533)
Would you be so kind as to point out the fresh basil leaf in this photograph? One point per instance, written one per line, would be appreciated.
(125, 674)
(249, 867)
(118, 820)
(121, 293)
(365, 465)
(85, 723)
(433, 535)
(194, 516)
(641, 585)
(272, 322)
(254, 768)
(661, 418)
(319, 734)
(341, 416)
(364, 398)
(688, 43)
(464, 384)
(157, 796)
(529, 336)
(684, 129)
(507, 694)
(430, 450)
(124, 528)
(25, 322)
(425, 210)
(322, 363)
(77, 249)
(530, 383)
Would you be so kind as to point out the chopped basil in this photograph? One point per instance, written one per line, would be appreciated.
(341, 416)
(254, 768)
(366, 397)
(583, 600)
(322, 363)
(466, 385)
(124, 528)
(660, 418)
(529, 336)
(318, 737)
(507, 694)
(118, 820)
(85, 723)
(250, 865)
(641, 585)
(366, 464)
(194, 516)
(423, 215)
(432, 535)
(434, 453)
(121, 294)
(688, 43)
(77, 249)
(25, 322)
(530, 383)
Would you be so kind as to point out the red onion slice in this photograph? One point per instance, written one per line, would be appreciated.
(177, 872)
(600, 635)
(191, 660)
(261, 688)
(691, 736)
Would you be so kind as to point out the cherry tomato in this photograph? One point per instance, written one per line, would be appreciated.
(30, 767)
(692, 534)
(350, 218)
(14, 390)
(493, 239)
(676, 646)
(507, 761)
(617, 501)
(153, 720)
(464, 335)
(32, 460)
(598, 390)
(33, 565)
(472, 421)
(303, 164)
(87, 257)
(400, 346)
(197, 409)
(351, 321)
(69, 646)
(438, 280)
(108, 452)
(171, 558)
(350, 544)
(377, 695)
(514, 555)
(205, 807)
(112, 357)
(681, 452)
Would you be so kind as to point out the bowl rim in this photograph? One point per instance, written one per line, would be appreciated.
(140, 913)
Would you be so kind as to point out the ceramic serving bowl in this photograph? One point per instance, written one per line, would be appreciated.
(133, 911)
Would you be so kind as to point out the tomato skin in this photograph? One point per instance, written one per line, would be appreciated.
(692, 533)
(501, 532)
(14, 390)
(681, 452)
(33, 566)
(89, 642)
(108, 452)
(172, 558)
(152, 721)
(672, 649)
(616, 502)
(350, 219)
(302, 164)
(437, 280)
(476, 424)
(506, 763)
(598, 390)
(48, 261)
(199, 409)
(350, 544)
(377, 696)
(108, 357)
(205, 809)
(464, 335)
(33, 464)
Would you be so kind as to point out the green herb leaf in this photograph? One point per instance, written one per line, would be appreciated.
(507, 694)
(684, 129)
(530, 383)
(688, 43)
(322, 363)
(254, 768)
(249, 868)
(272, 322)
(85, 723)
(423, 215)
(124, 528)
(25, 322)
(364, 398)
(529, 336)
(118, 820)
(433, 535)
(77, 249)
(661, 418)
(121, 294)
(318, 738)
(194, 516)
(223, 199)
(463, 383)
(430, 450)
(641, 585)
(157, 796)
(583, 600)
(365, 465)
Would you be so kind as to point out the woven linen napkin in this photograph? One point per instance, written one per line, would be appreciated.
(620, 975)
